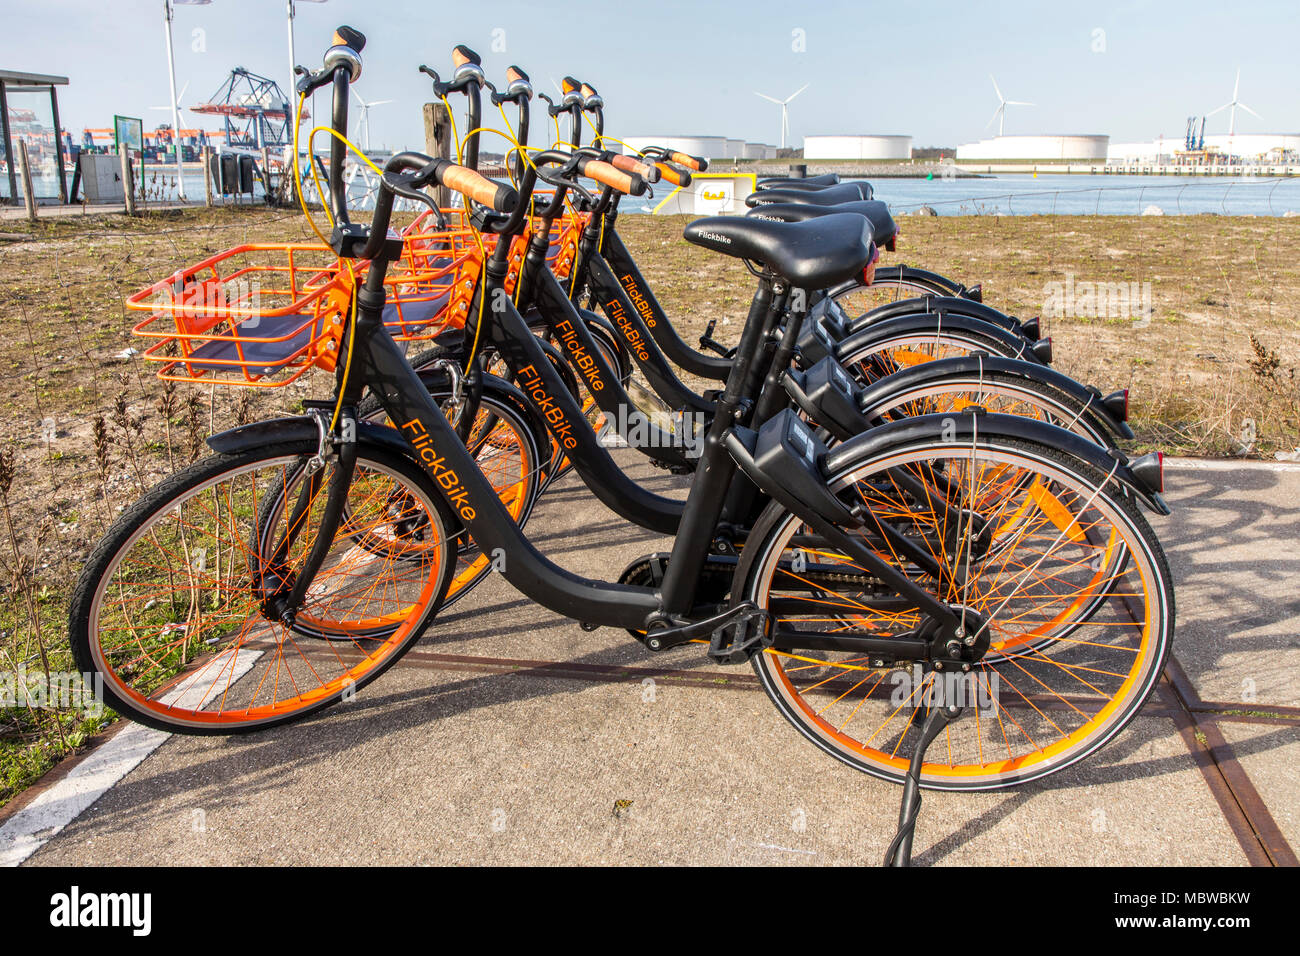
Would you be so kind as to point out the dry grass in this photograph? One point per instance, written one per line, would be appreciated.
(1219, 353)
(84, 431)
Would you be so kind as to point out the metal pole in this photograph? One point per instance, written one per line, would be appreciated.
(10, 157)
(292, 60)
(176, 114)
(58, 142)
(207, 175)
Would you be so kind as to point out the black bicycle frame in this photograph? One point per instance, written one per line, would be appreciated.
(379, 364)
(649, 313)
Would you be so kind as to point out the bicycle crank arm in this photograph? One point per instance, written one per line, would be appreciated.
(734, 635)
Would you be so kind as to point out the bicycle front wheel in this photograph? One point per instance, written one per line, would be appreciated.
(174, 608)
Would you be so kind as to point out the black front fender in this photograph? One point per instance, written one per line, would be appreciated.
(1013, 345)
(937, 304)
(300, 428)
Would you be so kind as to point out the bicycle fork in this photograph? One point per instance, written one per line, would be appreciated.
(282, 588)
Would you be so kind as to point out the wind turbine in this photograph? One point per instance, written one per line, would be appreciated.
(179, 96)
(363, 121)
(785, 109)
(176, 133)
(1232, 117)
(1000, 114)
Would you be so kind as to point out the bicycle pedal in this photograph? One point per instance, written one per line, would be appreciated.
(739, 640)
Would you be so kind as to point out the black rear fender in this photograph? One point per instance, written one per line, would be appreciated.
(960, 428)
(929, 373)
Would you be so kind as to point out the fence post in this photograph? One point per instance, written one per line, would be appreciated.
(207, 176)
(128, 180)
(437, 143)
(29, 194)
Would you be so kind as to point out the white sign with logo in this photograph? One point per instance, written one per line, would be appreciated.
(713, 196)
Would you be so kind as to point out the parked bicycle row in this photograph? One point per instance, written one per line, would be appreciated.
(913, 528)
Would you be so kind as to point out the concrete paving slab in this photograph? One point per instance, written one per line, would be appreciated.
(436, 765)
(1270, 754)
(1234, 546)
(433, 767)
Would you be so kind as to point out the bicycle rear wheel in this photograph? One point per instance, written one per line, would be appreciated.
(1063, 573)
(893, 284)
(172, 607)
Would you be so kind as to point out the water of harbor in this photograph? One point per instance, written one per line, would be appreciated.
(1004, 195)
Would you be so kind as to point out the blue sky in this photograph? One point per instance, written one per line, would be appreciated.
(898, 67)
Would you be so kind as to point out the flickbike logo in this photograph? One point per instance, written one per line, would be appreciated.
(630, 332)
(639, 301)
(74, 909)
(199, 300)
(981, 690)
(446, 478)
(684, 430)
(57, 690)
(555, 417)
(584, 361)
(1097, 300)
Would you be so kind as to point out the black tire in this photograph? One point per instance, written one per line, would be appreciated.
(826, 722)
(234, 638)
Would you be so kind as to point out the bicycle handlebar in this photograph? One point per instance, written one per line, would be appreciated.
(428, 172)
(697, 163)
(674, 174)
(628, 164)
(610, 175)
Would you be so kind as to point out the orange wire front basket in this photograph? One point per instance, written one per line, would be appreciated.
(262, 314)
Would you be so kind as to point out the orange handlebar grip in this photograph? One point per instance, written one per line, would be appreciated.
(470, 184)
(629, 165)
(674, 174)
(604, 173)
(696, 163)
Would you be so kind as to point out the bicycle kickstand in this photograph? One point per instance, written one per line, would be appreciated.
(900, 848)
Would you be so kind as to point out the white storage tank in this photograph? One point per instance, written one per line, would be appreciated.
(1066, 146)
(710, 147)
(844, 146)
